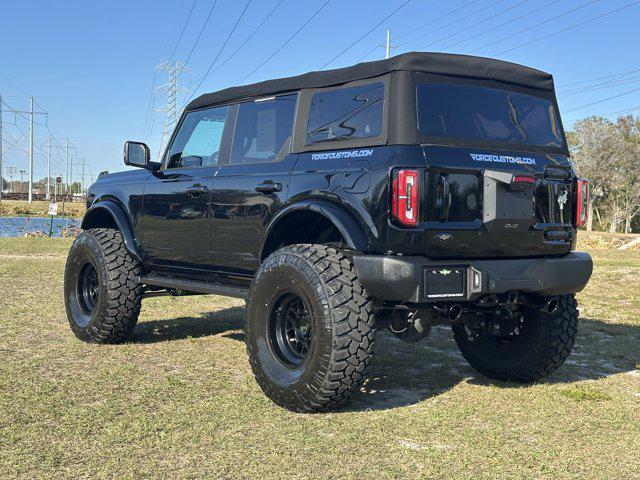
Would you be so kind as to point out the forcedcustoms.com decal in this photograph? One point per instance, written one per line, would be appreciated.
(482, 157)
(343, 154)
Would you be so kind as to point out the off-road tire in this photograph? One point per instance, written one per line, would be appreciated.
(342, 328)
(543, 344)
(118, 297)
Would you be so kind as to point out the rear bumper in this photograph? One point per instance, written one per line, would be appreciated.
(405, 278)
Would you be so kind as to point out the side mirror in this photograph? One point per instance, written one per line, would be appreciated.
(137, 154)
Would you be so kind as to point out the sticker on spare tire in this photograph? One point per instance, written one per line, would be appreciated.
(342, 154)
(483, 157)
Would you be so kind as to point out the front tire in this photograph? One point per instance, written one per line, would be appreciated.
(101, 290)
(539, 346)
(309, 328)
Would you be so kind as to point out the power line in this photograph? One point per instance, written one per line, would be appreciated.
(184, 27)
(307, 22)
(511, 20)
(442, 27)
(201, 31)
(600, 86)
(602, 15)
(255, 30)
(509, 37)
(222, 47)
(367, 33)
(431, 22)
(420, 27)
(629, 72)
(480, 21)
(601, 101)
(149, 105)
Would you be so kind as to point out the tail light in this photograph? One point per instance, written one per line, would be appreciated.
(581, 213)
(405, 193)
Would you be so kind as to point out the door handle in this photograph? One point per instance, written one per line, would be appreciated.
(269, 187)
(196, 190)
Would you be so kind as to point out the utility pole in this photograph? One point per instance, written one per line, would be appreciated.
(172, 88)
(388, 43)
(66, 164)
(49, 170)
(82, 184)
(1, 177)
(11, 172)
(388, 47)
(22, 172)
(30, 149)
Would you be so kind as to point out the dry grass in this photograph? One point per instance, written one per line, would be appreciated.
(179, 400)
(19, 208)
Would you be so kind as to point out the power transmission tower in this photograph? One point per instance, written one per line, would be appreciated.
(49, 170)
(172, 89)
(30, 149)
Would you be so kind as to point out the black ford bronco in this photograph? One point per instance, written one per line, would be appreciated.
(422, 190)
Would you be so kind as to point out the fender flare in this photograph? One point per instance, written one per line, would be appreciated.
(350, 229)
(121, 219)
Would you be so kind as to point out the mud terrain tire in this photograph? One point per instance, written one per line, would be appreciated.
(316, 284)
(542, 345)
(101, 290)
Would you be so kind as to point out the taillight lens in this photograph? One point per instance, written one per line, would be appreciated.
(405, 193)
(581, 214)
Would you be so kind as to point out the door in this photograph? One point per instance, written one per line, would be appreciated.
(176, 220)
(253, 184)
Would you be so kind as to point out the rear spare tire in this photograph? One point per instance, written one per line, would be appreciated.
(537, 347)
(102, 293)
(309, 328)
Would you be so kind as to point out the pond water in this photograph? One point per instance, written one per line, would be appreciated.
(19, 226)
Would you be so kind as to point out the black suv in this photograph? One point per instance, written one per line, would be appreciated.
(421, 190)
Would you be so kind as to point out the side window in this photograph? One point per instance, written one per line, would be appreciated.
(346, 113)
(263, 127)
(198, 141)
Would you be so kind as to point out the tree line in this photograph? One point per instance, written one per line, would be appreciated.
(608, 154)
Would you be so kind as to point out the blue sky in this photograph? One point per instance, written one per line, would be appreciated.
(90, 64)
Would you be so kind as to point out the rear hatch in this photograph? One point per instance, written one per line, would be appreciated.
(498, 182)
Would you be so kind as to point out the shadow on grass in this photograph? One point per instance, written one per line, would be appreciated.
(403, 374)
(214, 323)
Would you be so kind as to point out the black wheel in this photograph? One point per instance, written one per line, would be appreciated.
(535, 345)
(309, 328)
(101, 290)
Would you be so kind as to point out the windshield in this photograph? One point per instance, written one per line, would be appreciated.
(490, 114)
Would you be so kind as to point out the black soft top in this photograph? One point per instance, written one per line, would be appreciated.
(427, 62)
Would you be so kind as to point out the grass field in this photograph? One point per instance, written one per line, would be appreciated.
(179, 400)
(39, 208)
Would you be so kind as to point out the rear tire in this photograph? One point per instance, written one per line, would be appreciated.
(101, 290)
(541, 346)
(309, 328)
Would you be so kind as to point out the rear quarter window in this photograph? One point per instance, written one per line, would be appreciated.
(345, 114)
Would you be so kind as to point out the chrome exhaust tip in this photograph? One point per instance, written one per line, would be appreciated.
(551, 306)
(454, 312)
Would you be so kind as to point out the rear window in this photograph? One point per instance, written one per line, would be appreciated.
(490, 114)
(346, 114)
